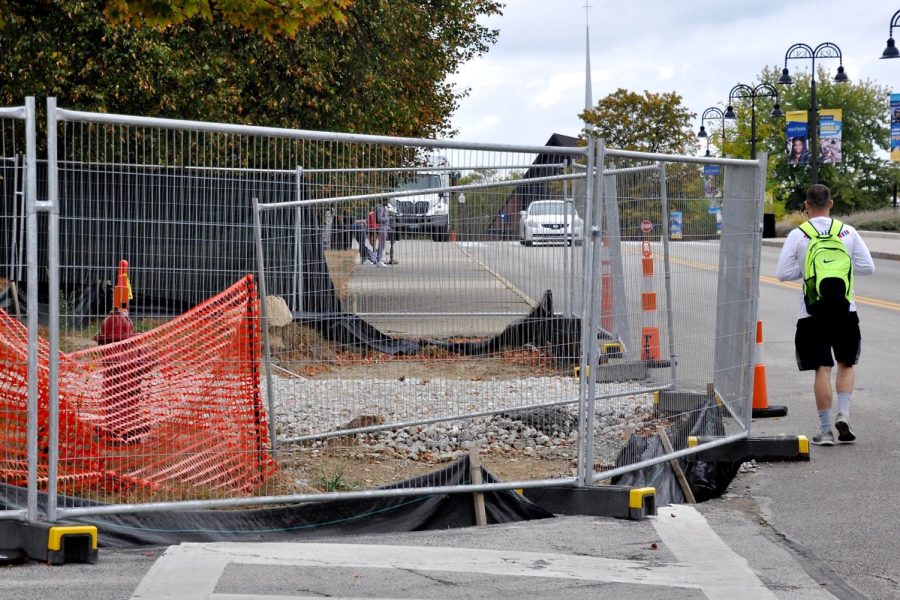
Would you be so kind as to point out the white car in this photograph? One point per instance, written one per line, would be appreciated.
(547, 221)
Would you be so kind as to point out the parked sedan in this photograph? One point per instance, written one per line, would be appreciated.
(546, 221)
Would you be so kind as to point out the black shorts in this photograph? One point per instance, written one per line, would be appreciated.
(817, 337)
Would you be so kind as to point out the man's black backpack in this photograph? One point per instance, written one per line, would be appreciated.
(828, 271)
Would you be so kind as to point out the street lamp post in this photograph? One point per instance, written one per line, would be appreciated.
(710, 113)
(801, 52)
(742, 91)
(891, 50)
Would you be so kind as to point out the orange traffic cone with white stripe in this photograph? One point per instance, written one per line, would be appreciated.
(650, 329)
(761, 408)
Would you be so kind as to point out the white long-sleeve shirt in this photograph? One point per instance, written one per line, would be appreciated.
(793, 255)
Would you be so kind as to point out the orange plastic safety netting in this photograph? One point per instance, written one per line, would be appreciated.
(175, 413)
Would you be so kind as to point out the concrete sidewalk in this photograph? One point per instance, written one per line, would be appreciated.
(718, 550)
(881, 244)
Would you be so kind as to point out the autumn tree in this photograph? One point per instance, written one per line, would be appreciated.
(375, 67)
(647, 122)
(863, 179)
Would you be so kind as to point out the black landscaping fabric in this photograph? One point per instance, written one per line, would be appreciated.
(307, 520)
(707, 479)
(558, 336)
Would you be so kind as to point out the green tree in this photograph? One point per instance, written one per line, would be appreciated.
(472, 219)
(650, 122)
(863, 179)
(340, 74)
(268, 18)
(656, 123)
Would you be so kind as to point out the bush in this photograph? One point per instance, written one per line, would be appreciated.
(886, 219)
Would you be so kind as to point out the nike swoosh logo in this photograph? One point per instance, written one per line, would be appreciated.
(828, 261)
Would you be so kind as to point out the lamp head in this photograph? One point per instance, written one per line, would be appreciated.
(776, 111)
(702, 132)
(707, 152)
(729, 113)
(891, 50)
(785, 78)
(841, 77)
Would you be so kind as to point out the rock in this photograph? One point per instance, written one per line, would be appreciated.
(278, 312)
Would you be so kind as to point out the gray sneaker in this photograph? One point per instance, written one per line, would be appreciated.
(845, 432)
(823, 438)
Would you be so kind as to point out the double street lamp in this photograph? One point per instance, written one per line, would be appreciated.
(744, 92)
(891, 50)
(803, 52)
(712, 112)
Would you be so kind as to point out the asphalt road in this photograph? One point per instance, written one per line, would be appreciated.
(840, 504)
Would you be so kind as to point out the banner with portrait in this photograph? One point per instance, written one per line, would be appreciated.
(712, 184)
(830, 128)
(895, 127)
(797, 137)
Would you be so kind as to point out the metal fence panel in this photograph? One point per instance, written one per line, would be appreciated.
(503, 321)
(18, 381)
(683, 257)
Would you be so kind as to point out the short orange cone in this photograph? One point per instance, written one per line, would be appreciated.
(761, 408)
(452, 235)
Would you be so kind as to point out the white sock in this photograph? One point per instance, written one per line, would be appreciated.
(844, 404)
(825, 419)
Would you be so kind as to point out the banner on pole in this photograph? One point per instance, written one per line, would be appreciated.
(830, 127)
(676, 225)
(895, 127)
(712, 185)
(797, 134)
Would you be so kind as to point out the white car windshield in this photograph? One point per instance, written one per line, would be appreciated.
(550, 208)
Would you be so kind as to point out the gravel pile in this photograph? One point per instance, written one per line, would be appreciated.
(315, 406)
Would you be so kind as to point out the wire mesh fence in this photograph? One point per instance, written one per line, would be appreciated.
(305, 313)
(14, 379)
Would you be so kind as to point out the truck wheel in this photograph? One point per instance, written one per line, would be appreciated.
(441, 236)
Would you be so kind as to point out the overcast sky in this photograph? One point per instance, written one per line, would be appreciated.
(531, 83)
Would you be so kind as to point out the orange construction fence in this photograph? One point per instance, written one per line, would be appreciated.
(176, 411)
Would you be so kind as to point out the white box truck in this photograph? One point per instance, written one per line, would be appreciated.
(428, 212)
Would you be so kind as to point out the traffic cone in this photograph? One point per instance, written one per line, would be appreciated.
(761, 408)
(650, 351)
(452, 235)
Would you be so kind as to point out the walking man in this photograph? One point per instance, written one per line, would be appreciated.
(827, 322)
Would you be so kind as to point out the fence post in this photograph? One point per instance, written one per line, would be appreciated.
(667, 270)
(53, 325)
(264, 326)
(589, 349)
(31, 258)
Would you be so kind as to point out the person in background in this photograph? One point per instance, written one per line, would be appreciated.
(360, 232)
(820, 335)
(383, 219)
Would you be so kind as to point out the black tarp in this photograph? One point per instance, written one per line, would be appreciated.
(706, 479)
(559, 336)
(306, 520)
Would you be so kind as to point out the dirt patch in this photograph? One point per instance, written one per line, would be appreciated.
(305, 470)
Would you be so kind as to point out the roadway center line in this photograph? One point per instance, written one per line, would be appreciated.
(504, 281)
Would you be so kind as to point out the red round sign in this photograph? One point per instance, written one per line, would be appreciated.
(646, 226)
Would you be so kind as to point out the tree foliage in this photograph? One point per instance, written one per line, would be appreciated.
(337, 75)
(650, 122)
(268, 18)
(864, 179)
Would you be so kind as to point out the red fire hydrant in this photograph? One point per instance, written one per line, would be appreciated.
(124, 368)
